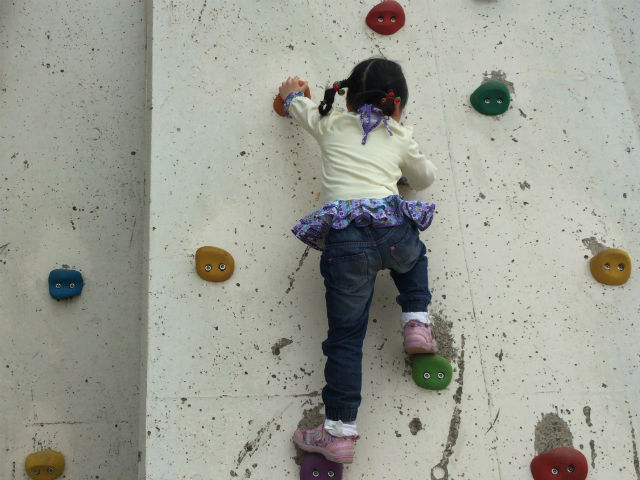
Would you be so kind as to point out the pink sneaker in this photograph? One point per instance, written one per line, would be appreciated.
(334, 449)
(418, 338)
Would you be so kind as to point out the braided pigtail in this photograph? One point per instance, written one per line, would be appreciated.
(330, 95)
(388, 110)
(385, 100)
(388, 103)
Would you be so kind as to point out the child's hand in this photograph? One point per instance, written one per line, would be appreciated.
(292, 85)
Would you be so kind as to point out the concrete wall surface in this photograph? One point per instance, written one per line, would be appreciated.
(543, 355)
(72, 162)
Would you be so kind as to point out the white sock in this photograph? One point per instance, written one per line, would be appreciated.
(339, 429)
(422, 317)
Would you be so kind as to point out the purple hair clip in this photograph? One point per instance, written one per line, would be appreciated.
(370, 118)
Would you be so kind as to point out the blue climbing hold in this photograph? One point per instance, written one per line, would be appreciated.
(64, 283)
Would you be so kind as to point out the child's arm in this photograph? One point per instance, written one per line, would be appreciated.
(301, 109)
(292, 85)
(419, 171)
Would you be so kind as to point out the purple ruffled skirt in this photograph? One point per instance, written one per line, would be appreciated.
(378, 212)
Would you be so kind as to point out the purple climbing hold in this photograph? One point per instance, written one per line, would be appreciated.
(315, 467)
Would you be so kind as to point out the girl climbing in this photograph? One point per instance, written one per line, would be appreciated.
(363, 226)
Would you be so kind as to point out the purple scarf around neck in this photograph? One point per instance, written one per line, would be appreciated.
(370, 118)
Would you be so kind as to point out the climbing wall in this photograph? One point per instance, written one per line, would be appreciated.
(543, 355)
(72, 161)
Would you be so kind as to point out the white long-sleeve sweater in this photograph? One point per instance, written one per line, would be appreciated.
(351, 170)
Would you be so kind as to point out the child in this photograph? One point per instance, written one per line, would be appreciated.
(363, 226)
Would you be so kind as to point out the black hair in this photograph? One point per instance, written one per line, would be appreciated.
(370, 81)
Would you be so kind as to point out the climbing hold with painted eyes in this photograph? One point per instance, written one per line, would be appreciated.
(316, 467)
(45, 465)
(386, 18)
(65, 283)
(611, 266)
(431, 371)
(491, 98)
(214, 264)
(561, 463)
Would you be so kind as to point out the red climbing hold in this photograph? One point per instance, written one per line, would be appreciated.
(562, 463)
(386, 18)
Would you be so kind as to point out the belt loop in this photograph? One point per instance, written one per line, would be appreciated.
(368, 230)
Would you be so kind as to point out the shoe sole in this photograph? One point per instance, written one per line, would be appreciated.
(325, 453)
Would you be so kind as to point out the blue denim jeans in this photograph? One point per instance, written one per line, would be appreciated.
(349, 264)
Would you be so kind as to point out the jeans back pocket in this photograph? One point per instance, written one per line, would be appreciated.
(347, 273)
(407, 251)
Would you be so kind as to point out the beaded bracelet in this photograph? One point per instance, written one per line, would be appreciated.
(288, 101)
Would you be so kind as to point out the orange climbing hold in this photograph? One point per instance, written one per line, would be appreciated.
(611, 266)
(214, 264)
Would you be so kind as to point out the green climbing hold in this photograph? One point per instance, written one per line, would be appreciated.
(431, 371)
(491, 98)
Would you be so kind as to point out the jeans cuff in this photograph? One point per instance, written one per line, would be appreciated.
(415, 306)
(346, 414)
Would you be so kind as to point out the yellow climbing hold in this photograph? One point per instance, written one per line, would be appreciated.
(611, 266)
(45, 465)
(214, 264)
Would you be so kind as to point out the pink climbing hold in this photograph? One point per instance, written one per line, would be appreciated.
(386, 18)
(562, 463)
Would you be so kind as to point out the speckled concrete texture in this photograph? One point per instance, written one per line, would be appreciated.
(72, 157)
(542, 354)
(522, 199)
(527, 329)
